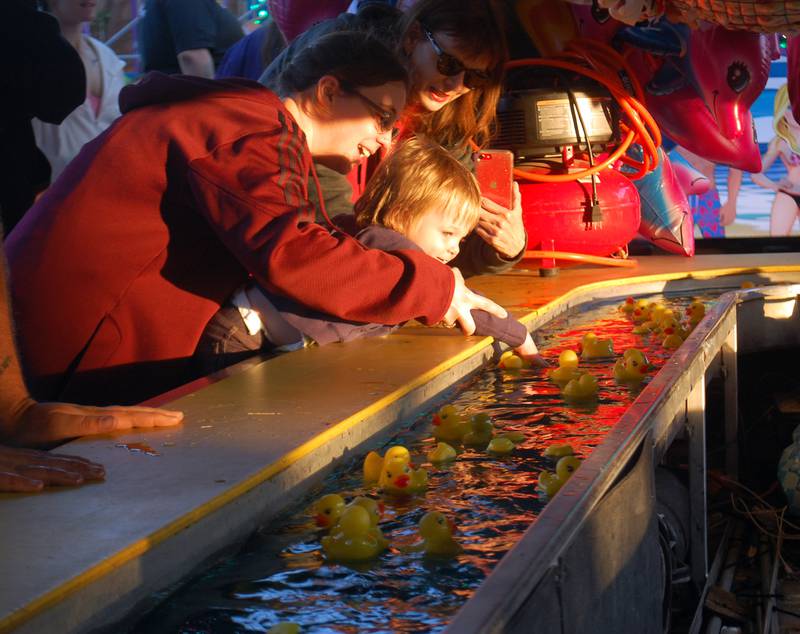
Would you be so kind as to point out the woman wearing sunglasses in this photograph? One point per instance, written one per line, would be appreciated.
(118, 267)
(455, 53)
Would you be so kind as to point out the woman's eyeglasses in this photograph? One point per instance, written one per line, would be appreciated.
(385, 118)
(448, 66)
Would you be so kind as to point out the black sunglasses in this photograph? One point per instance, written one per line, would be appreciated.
(385, 118)
(448, 66)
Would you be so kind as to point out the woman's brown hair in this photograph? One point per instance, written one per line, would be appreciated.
(477, 25)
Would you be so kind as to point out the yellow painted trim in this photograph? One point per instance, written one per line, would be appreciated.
(139, 547)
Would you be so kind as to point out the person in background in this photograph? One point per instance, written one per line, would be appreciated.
(252, 54)
(199, 185)
(27, 423)
(186, 36)
(455, 53)
(42, 76)
(420, 198)
(785, 145)
(104, 79)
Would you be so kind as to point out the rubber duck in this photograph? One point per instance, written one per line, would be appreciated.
(375, 510)
(584, 388)
(673, 332)
(352, 538)
(559, 451)
(550, 483)
(514, 436)
(449, 425)
(628, 305)
(284, 627)
(481, 430)
(645, 328)
(509, 360)
(632, 367)
(436, 532)
(441, 453)
(399, 478)
(500, 446)
(672, 341)
(594, 348)
(567, 367)
(695, 312)
(373, 462)
(327, 510)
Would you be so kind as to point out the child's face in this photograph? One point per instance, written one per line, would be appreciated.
(438, 235)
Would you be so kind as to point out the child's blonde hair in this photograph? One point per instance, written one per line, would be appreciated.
(417, 176)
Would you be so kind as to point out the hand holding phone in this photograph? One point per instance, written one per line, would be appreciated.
(494, 170)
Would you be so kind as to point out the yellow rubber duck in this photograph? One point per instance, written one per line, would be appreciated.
(284, 627)
(327, 510)
(449, 425)
(375, 509)
(481, 430)
(567, 367)
(673, 333)
(442, 453)
(695, 312)
(584, 388)
(628, 305)
(500, 446)
(645, 328)
(559, 451)
(550, 483)
(373, 462)
(514, 436)
(632, 367)
(509, 360)
(594, 348)
(399, 478)
(436, 532)
(352, 538)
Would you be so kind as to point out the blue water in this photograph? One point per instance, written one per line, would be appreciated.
(281, 574)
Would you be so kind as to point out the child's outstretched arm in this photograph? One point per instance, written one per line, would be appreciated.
(511, 332)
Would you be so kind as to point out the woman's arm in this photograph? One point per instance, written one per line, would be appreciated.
(761, 179)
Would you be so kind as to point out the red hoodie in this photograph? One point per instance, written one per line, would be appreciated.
(119, 266)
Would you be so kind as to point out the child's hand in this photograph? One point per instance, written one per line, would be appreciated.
(530, 353)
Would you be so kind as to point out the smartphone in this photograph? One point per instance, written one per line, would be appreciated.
(494, 170)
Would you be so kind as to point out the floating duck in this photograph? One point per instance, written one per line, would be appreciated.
(352, 538)
(514, 436)
(436, 532)
(481, 430)
(632, 367)
(399, 478)
(373, 462)
(628, 306)
(509, 360)
(327, 510)
(442, 453)
(584, 388)
(375, 510)
(673, 332)
(695, 312)
(672, 341)
(500, 446)
(645, 328)
(594, 348)
(550, 483)
(567, 367)
(559, 451)
(284, 627)
(449, 425)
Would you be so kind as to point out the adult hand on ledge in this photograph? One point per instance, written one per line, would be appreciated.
(29, 470)
(31, 423)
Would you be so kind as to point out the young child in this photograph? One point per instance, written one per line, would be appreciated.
(420, 198)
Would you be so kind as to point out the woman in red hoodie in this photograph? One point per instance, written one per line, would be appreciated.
(119, 266)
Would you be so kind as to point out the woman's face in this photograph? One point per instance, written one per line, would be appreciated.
(429, 87)
(357, 124)
(74, 11)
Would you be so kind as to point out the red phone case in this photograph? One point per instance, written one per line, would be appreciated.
(494, 170)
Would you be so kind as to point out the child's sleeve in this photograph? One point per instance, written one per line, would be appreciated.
(506, 329)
